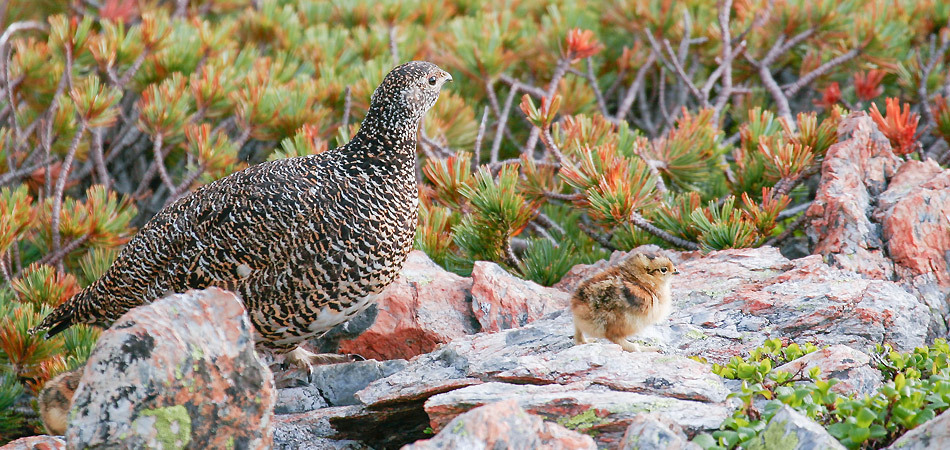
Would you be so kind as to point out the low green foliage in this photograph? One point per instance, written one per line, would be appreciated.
(916, 388)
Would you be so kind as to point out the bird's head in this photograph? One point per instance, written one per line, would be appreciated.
(655, 269)
(408, 91)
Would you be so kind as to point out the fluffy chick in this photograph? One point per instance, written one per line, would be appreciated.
(55, 400)
(623, 300)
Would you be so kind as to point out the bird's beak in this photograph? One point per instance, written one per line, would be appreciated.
(676, 272)
(448, 77)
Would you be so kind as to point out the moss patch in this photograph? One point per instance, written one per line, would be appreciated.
(172, 425)
(582, 421)
(774, 438)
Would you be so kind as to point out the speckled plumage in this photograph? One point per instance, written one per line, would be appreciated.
(623, 300)
(307, 242)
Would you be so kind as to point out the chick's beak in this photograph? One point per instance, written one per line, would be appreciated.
(448, 76)
(676, 272)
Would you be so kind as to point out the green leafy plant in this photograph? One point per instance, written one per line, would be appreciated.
(915, 390)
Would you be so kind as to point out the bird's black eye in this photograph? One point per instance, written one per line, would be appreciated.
(663, 269)
(432, 80)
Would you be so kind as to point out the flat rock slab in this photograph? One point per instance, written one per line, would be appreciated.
(504, 424)
(544, 353)
(595, 410)
(343, 426)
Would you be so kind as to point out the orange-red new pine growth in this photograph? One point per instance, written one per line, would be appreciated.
(119, 10)
(830, 96)
(900, 126)
(582, 44)
(867, 86)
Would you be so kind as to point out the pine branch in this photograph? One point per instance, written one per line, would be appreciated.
(632, 90)
(159, 156)
(645, 225)
(596, 87)
(935, 55)
(510, 256)
(600, 239)
(7, 278)
(781, 101)
(17, 27)
(477, 155)
(789, 230)
(51, 116)
(728, 57)
(564, 197)
(785, 185)
(540, 229)
(393, 49)
(495, 167)
(789, 212)
(14, 176)
(654, 165)
(56, 258)
(60, 186)
(562, 65)
(181, 7)
(131, 71)
(522, 86)
(347, 104)
(502, 121)
(549, 223)
(809, 77)
(674, 64)
(98, 160)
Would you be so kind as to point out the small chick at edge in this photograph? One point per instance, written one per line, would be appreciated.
(55, 400)
(623, 300)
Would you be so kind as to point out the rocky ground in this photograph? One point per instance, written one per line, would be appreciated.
(489, 361)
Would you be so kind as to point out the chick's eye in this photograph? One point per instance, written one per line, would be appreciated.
(432, 80)
(663, 269)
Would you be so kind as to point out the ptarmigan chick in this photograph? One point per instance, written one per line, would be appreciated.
(55, 400)
(623, 300)
(307, 242)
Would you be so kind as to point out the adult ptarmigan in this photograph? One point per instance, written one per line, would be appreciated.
(307, 242)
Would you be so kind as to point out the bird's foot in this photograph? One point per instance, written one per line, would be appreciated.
(302, 358)
(579, 337)
(634, 347)
(300, 361)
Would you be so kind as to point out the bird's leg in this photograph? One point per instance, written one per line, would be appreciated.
(631, 346)
(579, 336)
(302, 358)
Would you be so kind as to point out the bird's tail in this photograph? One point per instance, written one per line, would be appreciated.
(71, 312)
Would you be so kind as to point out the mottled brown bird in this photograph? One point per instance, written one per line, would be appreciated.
(55, 399)
(307, 242)
(623, 300)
